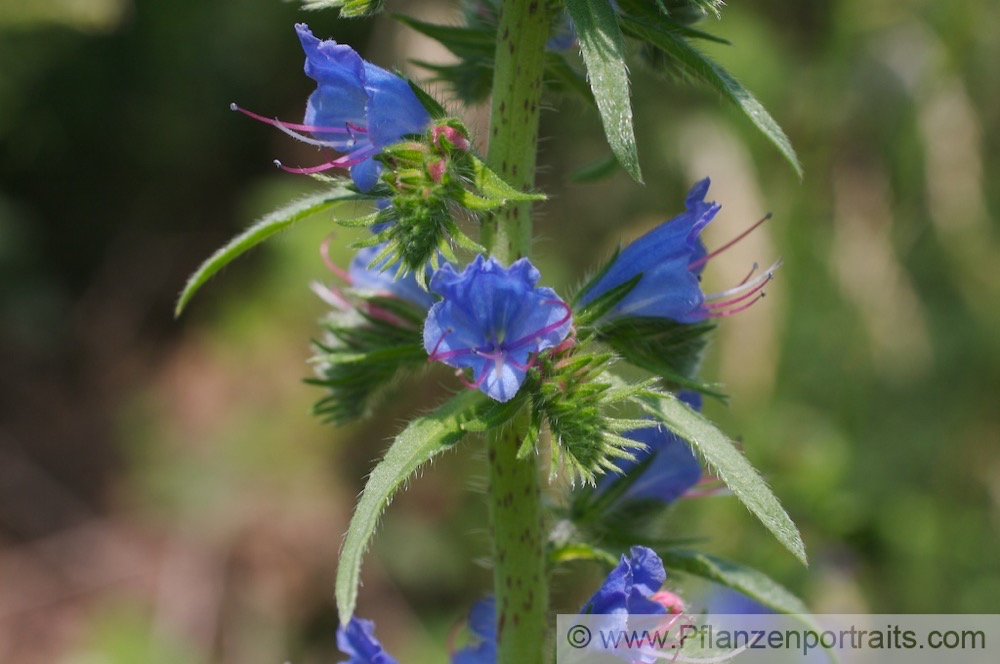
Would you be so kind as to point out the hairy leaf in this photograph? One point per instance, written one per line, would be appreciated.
(275, 222)
(603, 51)
(700, 67)
(729, 464)
(750, 582)
(422, 439)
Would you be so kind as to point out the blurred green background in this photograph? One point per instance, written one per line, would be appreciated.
(165, 495)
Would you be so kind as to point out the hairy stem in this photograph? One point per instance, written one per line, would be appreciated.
(517, 91)
(520, 583)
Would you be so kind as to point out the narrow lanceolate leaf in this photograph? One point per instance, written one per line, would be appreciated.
(273, 223)
(603, 51)
(729, 464)
(424, 438)
(747, 580)
(700, 67)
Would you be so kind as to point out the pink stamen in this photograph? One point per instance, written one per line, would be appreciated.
(348, 128)
(309, 169)
(741, 298)
(324, 251)
(704, 259)
(332, 296)
(447, 355)
(433, 355)
(730, 312)
(465, 381)
(385, 316)
(545, 330)
(749, 274)
(346, 161)
(746, 285)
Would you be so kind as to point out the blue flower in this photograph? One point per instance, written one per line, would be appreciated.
(669, 469)
(669, 260)
(357, 641)
(631, 587)
(483, 625)
(357, 109)
(384, 281)
(491, 320)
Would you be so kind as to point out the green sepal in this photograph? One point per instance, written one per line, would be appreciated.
(379, 217)
(269, 225)
(364, 354)
(603, 50)
(463, 240)
(752, 583)
(728, 463)
(577, 404)
(531, 435)
(589, 315)
(424, 438)
(430, 104)
(495, 188)
(664, 347)
(700, 67)
(474, 203)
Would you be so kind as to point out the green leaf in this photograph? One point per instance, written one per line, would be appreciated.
(581, 551)
(461, 41)
(424, 438)
(700, 67)
(603, 51)
(275, 222)
(729, 464)
(348, 8)
(495, 188)
(669, 349)
(750, 582)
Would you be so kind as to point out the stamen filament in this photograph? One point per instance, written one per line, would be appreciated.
(331, 295)
(746, 285)
(545, 330)
(465, 381)
(349, 127)
(736, 310)
(704, 259)
(324, 251)
(742, 297)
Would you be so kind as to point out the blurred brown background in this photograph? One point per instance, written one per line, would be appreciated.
(165, 495)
